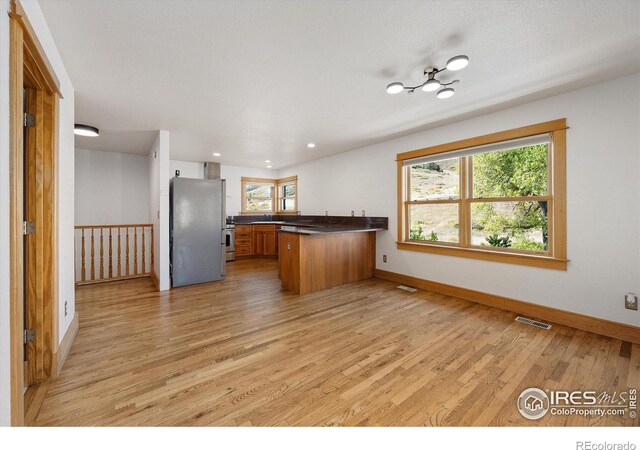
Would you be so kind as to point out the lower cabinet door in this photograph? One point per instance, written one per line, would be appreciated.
(270, 244)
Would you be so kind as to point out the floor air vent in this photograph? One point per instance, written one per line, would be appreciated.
(407, 288)
(535, 323)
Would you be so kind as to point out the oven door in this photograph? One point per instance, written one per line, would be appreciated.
(230, 240)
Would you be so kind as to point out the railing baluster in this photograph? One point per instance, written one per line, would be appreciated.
(101, 255)
(127, 252)
(135, 250)
(110, 257)
(93, 266)
(119, 259)
(82, 268)
(117, 269)
(144, 265)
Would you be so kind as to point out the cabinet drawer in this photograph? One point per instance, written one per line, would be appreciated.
(243, 229)
(264, 228)
(243, 250)
(243, 241)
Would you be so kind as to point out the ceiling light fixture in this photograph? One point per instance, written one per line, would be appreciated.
(311, 145)
(445, 93)
(216, 154)
(85, 130)
(394, 88)
(457, 62)
(432, 84)
(267, 161)
(268, 167)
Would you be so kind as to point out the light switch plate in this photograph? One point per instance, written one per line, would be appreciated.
(631, 301)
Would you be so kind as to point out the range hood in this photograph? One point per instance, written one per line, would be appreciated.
(211, 170)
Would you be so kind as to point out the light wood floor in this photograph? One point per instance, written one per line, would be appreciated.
(242, 352)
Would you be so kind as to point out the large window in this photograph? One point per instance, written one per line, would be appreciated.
(268, 196)
(498, 197)
(258, 195)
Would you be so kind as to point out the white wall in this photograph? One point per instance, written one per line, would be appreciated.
(159, 205)
(187, 169)
(65, 164)
(111, 188)
(603, 202)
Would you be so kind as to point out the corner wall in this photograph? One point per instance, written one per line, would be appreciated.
(603, 202)
(159, 206)
(5, 309)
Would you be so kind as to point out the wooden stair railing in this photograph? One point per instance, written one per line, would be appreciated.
(98, 244)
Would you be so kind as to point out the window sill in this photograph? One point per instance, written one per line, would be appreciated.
(545, 262)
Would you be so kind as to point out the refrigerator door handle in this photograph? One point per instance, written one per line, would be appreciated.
(223, 224)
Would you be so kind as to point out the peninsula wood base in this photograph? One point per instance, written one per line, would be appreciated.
(310, 263)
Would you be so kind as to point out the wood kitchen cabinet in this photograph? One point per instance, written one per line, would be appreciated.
(309, 263)
(244, 240)
(256, 240)
(264, 240)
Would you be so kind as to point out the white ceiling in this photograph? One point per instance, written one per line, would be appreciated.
(257, 80)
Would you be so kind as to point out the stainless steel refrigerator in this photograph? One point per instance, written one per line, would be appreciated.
(197, 231)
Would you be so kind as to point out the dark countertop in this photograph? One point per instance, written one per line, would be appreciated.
(349, 222)
(324, 229)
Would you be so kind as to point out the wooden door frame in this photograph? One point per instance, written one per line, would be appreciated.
(28, 65)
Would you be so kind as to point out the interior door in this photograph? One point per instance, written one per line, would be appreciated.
(29, 248)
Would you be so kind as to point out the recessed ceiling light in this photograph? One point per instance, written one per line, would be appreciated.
(458, 62)
(267, 161)
(395, 88)
(311, 145)
(216, 154)
(445, 93)
(85, 130)
(268, 167)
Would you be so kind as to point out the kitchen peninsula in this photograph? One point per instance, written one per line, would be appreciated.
(320, 252)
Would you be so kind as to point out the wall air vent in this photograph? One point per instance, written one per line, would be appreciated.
(535, 323)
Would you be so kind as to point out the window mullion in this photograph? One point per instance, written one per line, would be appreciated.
(465, 208)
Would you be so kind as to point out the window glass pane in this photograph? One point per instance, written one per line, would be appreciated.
(259, 190)
(254, 204)
(435, 180)
(518, 225)
(517, 172)
(289, 190)
(288, 204)
(434, 222)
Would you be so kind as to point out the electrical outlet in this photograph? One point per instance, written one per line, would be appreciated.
(384, 258)
(65, 308)
(631, 301)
